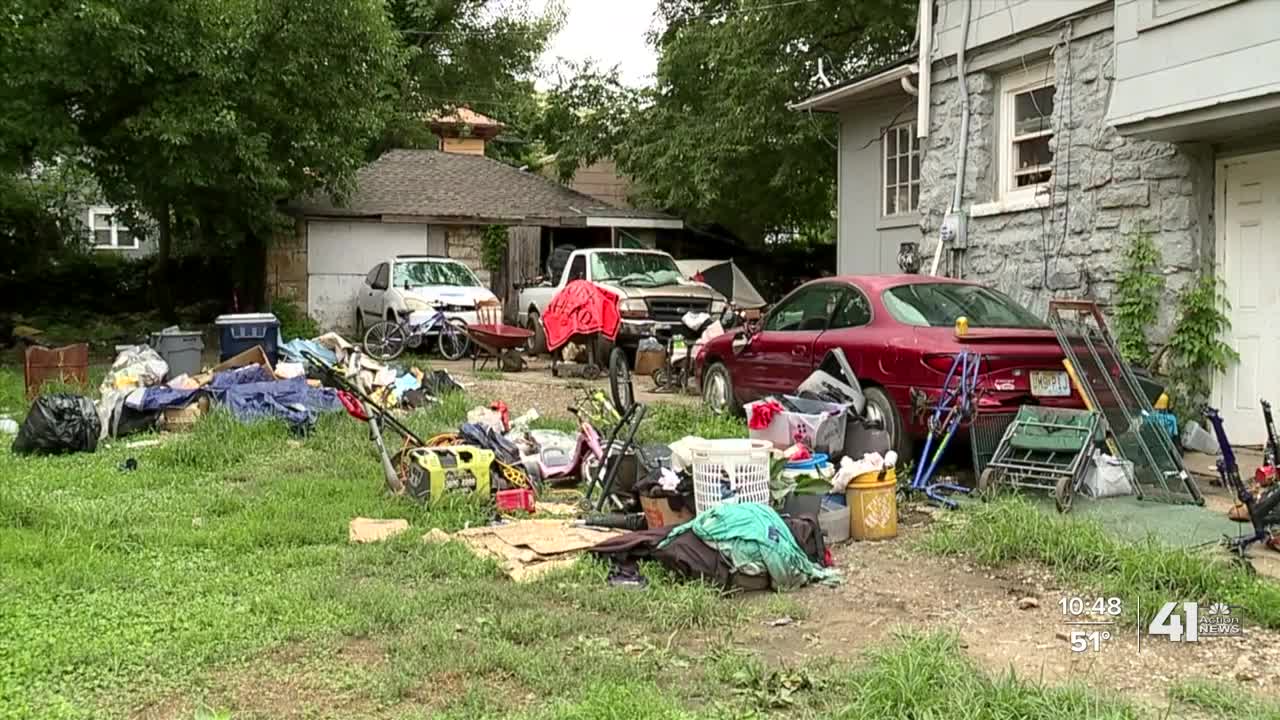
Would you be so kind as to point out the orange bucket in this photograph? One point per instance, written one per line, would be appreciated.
(873, 505)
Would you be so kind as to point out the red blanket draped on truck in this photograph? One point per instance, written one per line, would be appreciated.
(581, 309)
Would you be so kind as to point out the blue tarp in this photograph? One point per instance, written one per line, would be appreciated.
(292, 351)
(252, 392)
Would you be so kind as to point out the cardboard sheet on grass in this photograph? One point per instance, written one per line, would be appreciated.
(529, 548)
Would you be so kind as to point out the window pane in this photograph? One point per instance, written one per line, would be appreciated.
(891, 142)
(891, 172)
(125, 239)
(1032, 110)
(890, 201)
(1033, 153)
(904, 169)
(915, 196)
(915, 167)
(903, 198)
(102, 238)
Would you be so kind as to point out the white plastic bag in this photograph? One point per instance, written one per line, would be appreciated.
(1108, 476)
(1198, 439)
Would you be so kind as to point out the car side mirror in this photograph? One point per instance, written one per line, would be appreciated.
(745, 336)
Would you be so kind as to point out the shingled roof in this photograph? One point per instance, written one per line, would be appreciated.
(439, 186)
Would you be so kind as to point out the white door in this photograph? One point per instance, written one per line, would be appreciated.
(340, 255)
(1248, 261)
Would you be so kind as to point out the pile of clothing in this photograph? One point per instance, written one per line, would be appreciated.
(747, 545)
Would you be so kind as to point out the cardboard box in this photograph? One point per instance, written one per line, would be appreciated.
(183, 419)
(253, 356)
(658, 513)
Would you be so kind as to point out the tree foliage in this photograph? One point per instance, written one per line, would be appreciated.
(478, 53)
(715, 139)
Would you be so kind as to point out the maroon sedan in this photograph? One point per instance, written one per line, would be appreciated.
(898, 333)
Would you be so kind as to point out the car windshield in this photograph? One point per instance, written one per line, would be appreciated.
(635, 269)
(939, 304)
(418, 273)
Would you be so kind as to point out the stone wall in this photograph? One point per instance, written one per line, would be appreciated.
(465, 242)
(1105, 190)
(286, 271)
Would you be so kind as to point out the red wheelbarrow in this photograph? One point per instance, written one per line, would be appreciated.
(499, 342)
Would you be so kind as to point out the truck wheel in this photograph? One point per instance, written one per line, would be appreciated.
(538, 343)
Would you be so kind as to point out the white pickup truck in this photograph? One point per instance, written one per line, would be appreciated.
(654, 294)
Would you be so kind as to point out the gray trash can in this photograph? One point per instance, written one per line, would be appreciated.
(181, 349)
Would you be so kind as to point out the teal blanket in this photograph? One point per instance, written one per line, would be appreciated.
(753, 538)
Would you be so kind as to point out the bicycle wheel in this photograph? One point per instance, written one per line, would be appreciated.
(454, 341)
(385, 340)
(620, 380)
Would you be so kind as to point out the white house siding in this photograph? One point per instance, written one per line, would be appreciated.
(1174, 57)
(996, 20)
(867, 242)
(1106, 189)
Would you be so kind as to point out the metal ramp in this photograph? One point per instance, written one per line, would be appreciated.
(1111, 389)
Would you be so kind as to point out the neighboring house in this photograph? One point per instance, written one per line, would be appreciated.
(108, 233)
(1089, 123)
(438, 202)
(601, 180)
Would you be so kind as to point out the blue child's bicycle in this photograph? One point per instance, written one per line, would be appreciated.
(388, 339)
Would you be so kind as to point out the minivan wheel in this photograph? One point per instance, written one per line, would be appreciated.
(538, 343)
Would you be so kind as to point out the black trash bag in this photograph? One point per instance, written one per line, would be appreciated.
(59, 424)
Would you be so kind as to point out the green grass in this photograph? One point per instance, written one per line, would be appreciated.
(216, 581)
(1222, 701)
(1012, 529)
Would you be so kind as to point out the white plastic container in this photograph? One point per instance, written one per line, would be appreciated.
(821, 427)
(834, 522)
(730, 471)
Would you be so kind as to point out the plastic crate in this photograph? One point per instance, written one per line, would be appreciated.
(237, 333)
(819, 425)
(730, 472)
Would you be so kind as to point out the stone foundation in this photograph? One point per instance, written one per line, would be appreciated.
(1105, 190)
(465, 242)
(286, 271)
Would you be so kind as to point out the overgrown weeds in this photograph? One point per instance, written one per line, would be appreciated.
(1146, 574)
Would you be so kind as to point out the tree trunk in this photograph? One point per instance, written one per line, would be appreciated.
(164, 248)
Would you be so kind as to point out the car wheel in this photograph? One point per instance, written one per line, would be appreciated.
(717, 391)
(538, 343)
(880, 408)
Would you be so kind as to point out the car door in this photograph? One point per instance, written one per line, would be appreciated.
(849, 331)
(375, 286)
(781, 355)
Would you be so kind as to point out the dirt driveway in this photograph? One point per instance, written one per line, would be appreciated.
(890, 586)
(536, 387)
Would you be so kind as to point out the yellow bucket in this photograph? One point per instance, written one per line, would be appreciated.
(873, 505)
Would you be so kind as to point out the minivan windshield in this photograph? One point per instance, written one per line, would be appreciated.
(419, 273)
(636, 269)
(939, 304)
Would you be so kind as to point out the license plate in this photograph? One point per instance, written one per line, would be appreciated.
(1050, 383)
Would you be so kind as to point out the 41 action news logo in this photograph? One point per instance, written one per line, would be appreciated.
(1189, 626)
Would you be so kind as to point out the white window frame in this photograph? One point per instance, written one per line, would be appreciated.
(913, 150)
(1013, 84)
(115, 228)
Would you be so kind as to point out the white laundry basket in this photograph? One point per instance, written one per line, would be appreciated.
(730, 471)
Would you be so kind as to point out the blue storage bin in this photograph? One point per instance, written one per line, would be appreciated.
(237, 333)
